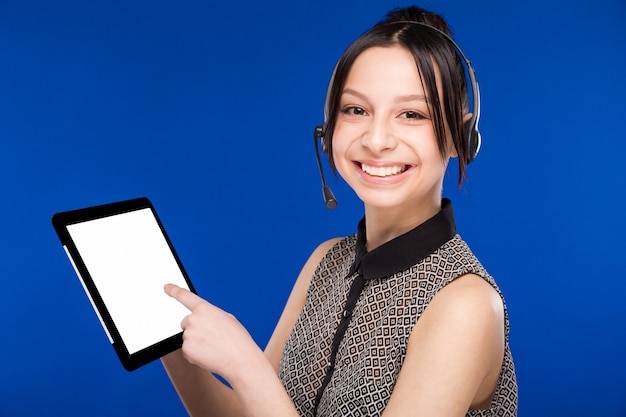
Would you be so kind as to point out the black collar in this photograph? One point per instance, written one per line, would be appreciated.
(406, 250)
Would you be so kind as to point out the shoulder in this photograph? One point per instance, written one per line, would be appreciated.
(324, 247)
(303, 281)
(465, 320)
(455, 349)
(470, 300)
(314, 260)
(464, 327)
(295, 303)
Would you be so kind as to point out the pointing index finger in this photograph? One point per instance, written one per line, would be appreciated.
(183, 296)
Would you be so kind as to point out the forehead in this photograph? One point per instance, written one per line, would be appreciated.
(390, 70)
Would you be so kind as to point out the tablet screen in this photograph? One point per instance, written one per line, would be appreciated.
(129, 261)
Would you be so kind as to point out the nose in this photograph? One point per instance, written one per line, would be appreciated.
(378, 136)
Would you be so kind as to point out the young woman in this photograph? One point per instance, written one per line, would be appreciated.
(400, 319)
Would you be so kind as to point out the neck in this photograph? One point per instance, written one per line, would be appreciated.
(386, 223)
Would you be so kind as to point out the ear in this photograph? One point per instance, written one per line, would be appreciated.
(466, 118)
(453, 153)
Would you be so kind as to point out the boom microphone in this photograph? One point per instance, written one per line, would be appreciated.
(329, 197)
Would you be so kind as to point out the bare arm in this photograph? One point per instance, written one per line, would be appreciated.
(454, 354)
(215, 342)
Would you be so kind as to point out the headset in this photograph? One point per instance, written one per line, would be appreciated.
(470, 128)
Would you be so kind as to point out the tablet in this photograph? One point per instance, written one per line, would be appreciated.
(123, 258)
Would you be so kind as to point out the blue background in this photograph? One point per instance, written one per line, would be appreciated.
(208, 108)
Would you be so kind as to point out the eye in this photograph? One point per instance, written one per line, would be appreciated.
(353, 111)
(410, 114)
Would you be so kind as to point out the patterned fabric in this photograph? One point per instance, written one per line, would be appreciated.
(373, 349)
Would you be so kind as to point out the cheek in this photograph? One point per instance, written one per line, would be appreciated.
(340, 154)
(430, 149)
(337, 153)
(338, 143)
(345, 134)
(429, 143)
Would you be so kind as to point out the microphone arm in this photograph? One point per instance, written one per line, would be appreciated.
(329, 197)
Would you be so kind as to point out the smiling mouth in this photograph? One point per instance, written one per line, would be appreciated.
(384, 171)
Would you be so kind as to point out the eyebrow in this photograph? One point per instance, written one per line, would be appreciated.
(399, 99)
(411, 97)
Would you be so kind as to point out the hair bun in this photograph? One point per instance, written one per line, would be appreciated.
(417, 14)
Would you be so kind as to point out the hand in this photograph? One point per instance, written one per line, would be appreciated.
(213, 339)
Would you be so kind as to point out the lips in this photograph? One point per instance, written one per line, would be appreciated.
(383, 171)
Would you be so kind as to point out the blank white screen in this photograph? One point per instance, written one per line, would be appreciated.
(130, 261)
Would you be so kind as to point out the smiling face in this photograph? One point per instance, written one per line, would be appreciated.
(384, 144)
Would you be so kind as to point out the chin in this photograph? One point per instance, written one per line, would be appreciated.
(399, 199)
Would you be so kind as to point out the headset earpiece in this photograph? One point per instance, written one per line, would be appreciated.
(472, 137)
(319, 132)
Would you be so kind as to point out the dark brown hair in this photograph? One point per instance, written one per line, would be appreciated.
(433, 54)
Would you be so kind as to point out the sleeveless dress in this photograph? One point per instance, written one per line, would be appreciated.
(348, 345)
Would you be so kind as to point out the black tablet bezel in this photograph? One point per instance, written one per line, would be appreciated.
(60, 222)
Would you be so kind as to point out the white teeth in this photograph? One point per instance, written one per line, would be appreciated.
(383, 171)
